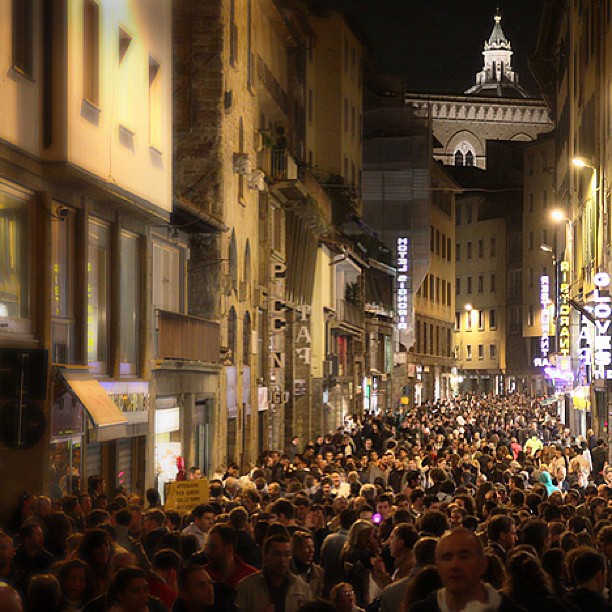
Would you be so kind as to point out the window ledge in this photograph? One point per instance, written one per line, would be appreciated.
(156, 150)
(21, 72)
(92, 105)
(126, 129)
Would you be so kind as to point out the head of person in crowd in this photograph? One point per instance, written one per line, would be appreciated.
(361, 540)
(384, 505)
(433, 522)
(534, 532)
(203, 517)
(75, 581)
(342, 597)
(526, 581)
(153, 519)
(302, 550)
(129, 590)
(10, 600)
(401, 542)
(220, 546)
(195, 473)
(586, 568)
(284, 511)
(277, 557)
(238, 518)
(461, 563)
(195, 588)
(96, 549)
(251, 500)
(501, 530)
(153, 498)
(43, 594)
(32, 538)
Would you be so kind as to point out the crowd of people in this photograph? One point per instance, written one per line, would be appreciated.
(475, 504)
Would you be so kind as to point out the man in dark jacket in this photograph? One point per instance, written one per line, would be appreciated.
(461, 563)
(588, 569)
(599, 455)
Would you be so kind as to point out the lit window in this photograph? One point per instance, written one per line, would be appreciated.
(91, 51)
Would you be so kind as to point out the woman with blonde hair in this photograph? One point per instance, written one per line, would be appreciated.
(357, 554)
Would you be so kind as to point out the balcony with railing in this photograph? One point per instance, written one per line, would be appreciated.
(349, 313)
(186, 337)
(282, 166)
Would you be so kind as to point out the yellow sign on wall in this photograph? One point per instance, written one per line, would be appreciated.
(183, 496)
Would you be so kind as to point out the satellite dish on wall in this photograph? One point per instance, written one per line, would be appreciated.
(22, 427)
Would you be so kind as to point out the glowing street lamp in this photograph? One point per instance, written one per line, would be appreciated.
(468, 308)
(581, 162)
(557, 215)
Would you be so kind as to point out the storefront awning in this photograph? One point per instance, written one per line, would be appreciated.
(96, 401)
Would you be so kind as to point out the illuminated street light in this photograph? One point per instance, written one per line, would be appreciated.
(580, 162)
(558, 215)
(546, 247)
(469, 307)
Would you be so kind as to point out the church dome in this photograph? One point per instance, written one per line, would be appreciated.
(497, 79)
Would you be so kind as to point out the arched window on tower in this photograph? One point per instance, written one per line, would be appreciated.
(246, 339)
(231, 335)
(469, 159)
(458, 158)
(233, 261)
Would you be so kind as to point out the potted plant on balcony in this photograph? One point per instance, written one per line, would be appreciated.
(352, 294)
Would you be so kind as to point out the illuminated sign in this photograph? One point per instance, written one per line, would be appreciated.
(545, 317)
(584, 353)
(602, 311)
(564, 310)
(402, 283)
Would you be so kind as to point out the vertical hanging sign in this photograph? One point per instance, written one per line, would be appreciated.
(544, 318)
(602, 311)
(402, 283)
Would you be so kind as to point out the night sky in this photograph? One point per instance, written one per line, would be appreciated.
(436, 45)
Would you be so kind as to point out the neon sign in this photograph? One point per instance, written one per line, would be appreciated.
(545, 317)
(602, 311)
(402, 283)
(564, 309)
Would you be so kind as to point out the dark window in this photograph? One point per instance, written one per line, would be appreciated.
(23, 36)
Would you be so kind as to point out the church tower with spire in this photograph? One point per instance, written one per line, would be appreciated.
(497, 79)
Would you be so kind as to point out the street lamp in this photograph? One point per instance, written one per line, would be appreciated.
(558, 215)
(468, 307)
(581, 162)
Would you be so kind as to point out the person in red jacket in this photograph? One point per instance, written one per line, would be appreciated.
(224, 565)
(163, 579)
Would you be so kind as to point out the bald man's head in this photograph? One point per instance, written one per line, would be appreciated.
(9, 599)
